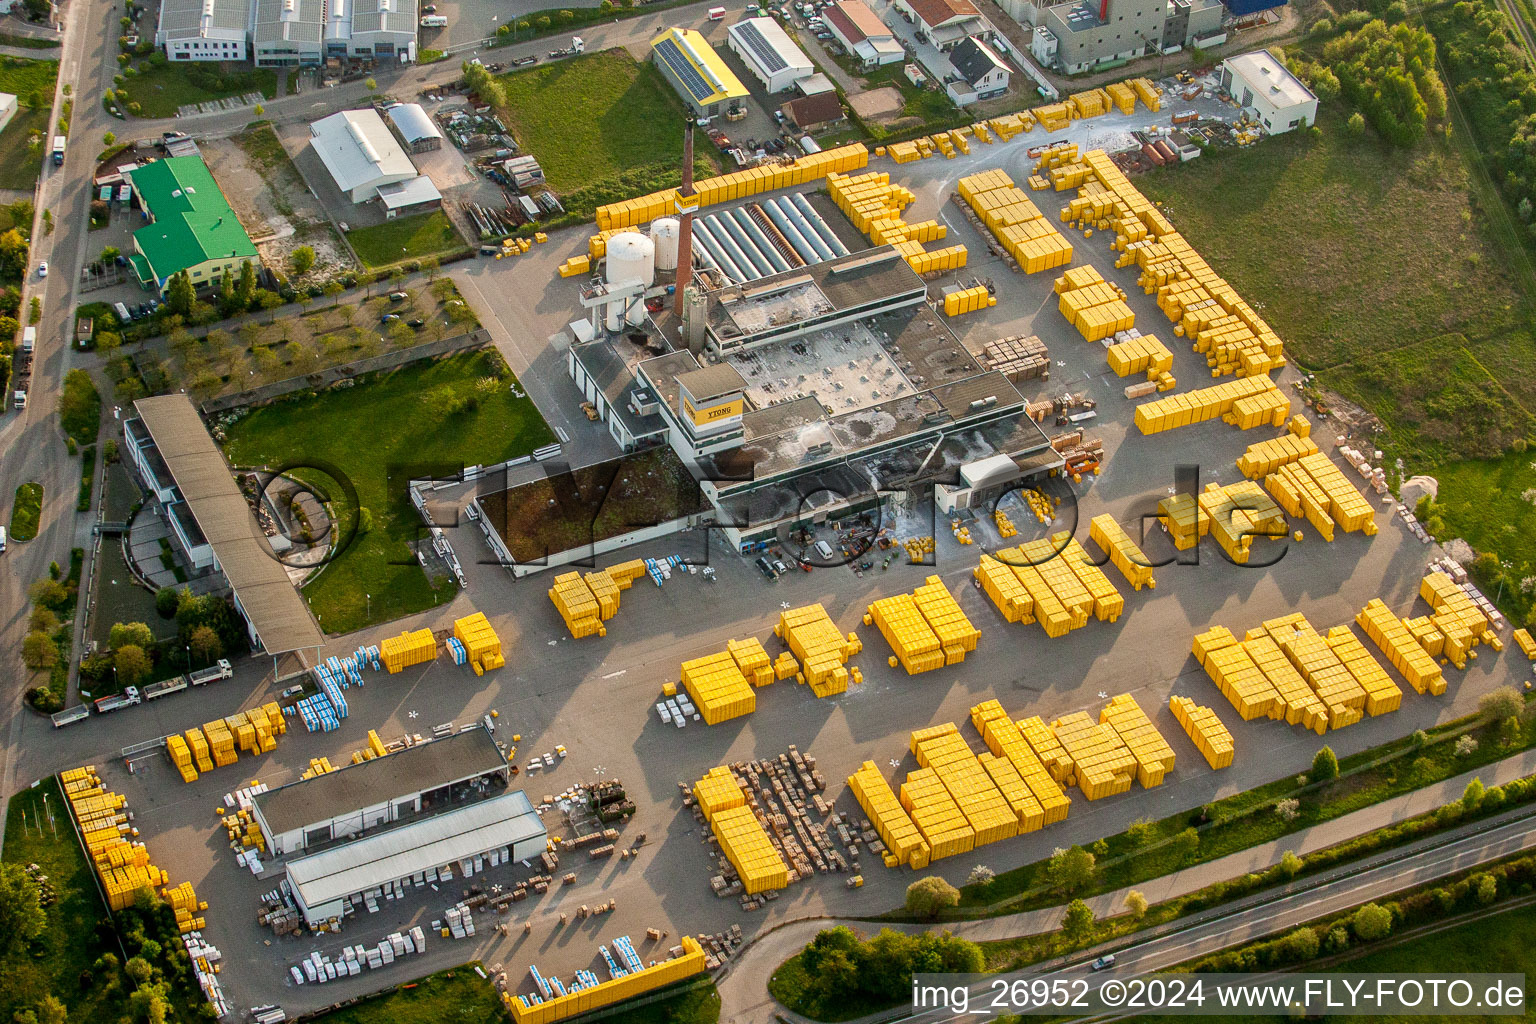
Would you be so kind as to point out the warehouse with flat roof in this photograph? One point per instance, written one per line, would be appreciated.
(769, 53)
(288, 33)
(458, 842)
(692, 67)
(203, 29)
(422, 780)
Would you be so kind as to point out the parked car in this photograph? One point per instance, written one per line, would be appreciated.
(42, 269)
(417, 324)
(389, 318)
(398, 296)
(292, 691)
(766, 568)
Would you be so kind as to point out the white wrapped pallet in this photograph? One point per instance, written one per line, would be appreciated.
(420, 937)
(354, 968)
(298, 975)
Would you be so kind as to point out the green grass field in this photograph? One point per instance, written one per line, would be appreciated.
(1349, 246)
(378, 435)
(27, 511)
(162, 91)
(30, 81)
(21, 162)
(457, 996)
(603, 126)
(39, 832)
(405, 238)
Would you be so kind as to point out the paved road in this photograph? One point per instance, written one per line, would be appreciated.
(744, 999)
(31, 438)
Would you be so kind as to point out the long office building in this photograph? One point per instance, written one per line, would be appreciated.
(288, 33)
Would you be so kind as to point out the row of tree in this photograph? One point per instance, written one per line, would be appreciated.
(842, 969)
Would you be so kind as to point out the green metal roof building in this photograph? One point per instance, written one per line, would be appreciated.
(192, 226)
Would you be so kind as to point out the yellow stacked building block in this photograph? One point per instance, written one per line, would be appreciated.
(1122, 96)
(1015, 222)
(1235, 674)
(813, 638)
(1097, 310)
(1264, 457)
(1185, 518)
(752, 660)
(1102, 765)
(1314, 487)
(1456, 616)
(938, 818)
(1123, 552)
(926, 629)
(479, 640)
(1381, 693)
(1140, 355)
(221, 743)
(575, 266)
(578, 606)
(1312, 656)
(1154, 757)
(407, 649)
(1108, 602)
(968, 300)
(1042, 741)
(1205, 730)
(585, 1000)
(181, 757)
(718, 791)
(737, 185)
(1093, 103)
(1239, 514)
(1005, 741)
(1392, 637)
(947, 755)
(903, 843)
(198, 743)
(718, 687)
(1527, 646)
(1146, 92)
(1245, 403)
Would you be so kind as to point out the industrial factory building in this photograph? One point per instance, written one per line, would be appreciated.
(695, 70)
(803, 381)
(456, 843)
(414, 127)
(1078, 35)
(944, 22)
(769, 53)
(357, 799)
(288, 33)
(420, 815)
(1279, 99)
(203, 29)
(366, 162)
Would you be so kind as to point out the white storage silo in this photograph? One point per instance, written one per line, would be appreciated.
(664, 235)
(631, 259)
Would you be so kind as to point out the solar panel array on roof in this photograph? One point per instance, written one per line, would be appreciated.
(686, 73)
(764, 51)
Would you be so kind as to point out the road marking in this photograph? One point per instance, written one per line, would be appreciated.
(615, 675)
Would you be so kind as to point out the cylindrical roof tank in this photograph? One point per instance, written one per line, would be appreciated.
(664, 235)
(631, 259)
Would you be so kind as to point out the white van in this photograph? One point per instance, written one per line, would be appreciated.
(434, 21)
(2, 538)
(717, 14)
(122, 312)
(824, 550)
(28, 339)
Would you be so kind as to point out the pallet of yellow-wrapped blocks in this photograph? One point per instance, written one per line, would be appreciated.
(926, 629)
(480, 641)
(1526, 644)
(813, 638)
(1133, 564)
(1205, 731)
(586, 602)
(918, 548)
(731, 818)
(1049, 580)
(201, 749)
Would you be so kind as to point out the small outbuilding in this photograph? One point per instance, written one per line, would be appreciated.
(1259, 82)
(414, 127)
(769, 53)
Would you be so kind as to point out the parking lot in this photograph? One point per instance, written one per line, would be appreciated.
(597, 696)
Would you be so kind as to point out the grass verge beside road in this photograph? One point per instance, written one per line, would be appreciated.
(21, 159)
(30, 81)
(162, 89)
(426, 418)
(406, 238)
(27, 512)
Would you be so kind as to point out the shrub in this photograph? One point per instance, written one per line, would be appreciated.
(1070, 870)
(1289, 809)
(1466, 746)
(926, 897)
(1136, 903)
(1325, 766)
(1371, 922)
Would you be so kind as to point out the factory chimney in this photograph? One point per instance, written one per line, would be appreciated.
(686, 205)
